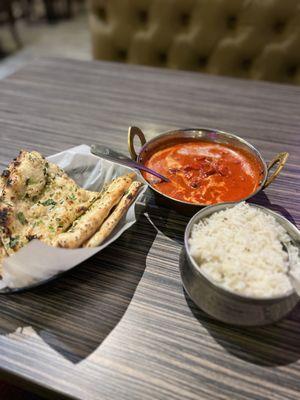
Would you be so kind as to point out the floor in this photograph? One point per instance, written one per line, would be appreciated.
(66, 38)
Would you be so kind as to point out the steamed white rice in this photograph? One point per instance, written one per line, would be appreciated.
(240, 248)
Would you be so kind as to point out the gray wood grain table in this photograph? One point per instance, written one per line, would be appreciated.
(119, 326)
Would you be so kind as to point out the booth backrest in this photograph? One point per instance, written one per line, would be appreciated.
(257, 39)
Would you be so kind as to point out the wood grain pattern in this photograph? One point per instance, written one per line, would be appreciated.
(119, 326)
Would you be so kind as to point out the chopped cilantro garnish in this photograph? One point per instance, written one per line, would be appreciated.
(51, 228)
(21, 218)
(36, 223)
(49, 202)
(72, 197)
(30, 181)
(13, 241)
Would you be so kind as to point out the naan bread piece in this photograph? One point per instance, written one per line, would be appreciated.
(11, 228)
(39, 200)
(2, 255)
(26, 176)
(61, 203)
(87, 224)
(111, 222)
(2, 183)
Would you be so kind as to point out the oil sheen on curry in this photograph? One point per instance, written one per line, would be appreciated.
(205, 172)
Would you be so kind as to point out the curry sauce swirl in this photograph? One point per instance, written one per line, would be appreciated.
(205, 172)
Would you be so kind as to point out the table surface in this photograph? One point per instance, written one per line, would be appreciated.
(119, 326)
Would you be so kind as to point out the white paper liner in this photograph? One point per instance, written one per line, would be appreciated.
(37, 262)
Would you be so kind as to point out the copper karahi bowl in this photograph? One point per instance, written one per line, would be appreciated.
(169, 138)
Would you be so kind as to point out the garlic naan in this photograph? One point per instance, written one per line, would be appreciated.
(38, 200)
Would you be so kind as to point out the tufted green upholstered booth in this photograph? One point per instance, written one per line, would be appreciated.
(257, 39)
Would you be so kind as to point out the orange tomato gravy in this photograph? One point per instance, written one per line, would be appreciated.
(205, 172)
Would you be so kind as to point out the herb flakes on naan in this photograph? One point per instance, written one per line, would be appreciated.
(38, 200)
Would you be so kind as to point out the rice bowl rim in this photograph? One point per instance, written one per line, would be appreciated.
(207, 212)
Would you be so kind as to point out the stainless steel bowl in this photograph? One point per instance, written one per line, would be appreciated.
(202, 134)
(227, 306)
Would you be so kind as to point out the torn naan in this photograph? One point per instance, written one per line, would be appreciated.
(83, 228)
(112, 221)
(38, 200)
